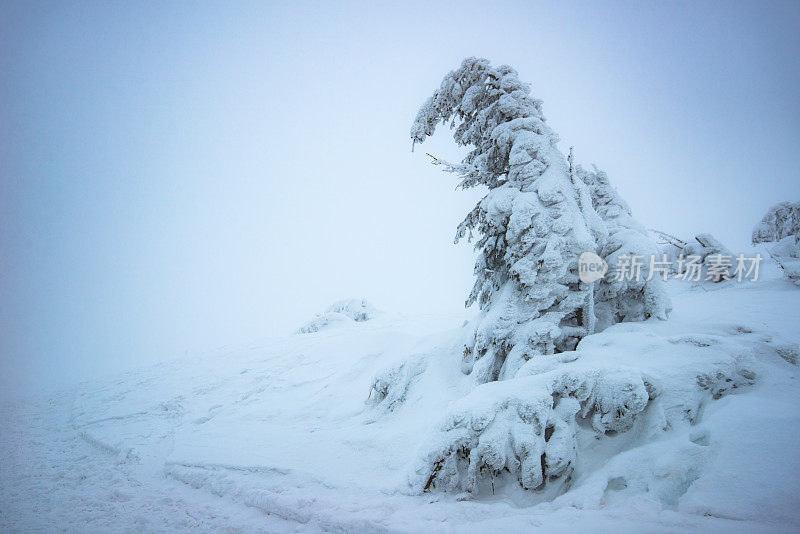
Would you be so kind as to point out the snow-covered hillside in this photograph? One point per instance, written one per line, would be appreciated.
(341, 429)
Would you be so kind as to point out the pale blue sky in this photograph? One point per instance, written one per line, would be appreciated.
(180, 175)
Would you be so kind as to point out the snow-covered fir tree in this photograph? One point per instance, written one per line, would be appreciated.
(780, 221)
(538, 216)
(625, 298)
(532, 225)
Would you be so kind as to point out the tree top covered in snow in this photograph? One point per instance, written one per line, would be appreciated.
(491, 105)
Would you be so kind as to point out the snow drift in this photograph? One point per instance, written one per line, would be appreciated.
(689, 424)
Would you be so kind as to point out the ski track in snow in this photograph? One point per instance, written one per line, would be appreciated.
(278, 438)
(58, 478)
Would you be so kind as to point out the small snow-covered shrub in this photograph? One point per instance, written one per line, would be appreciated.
(342, 311)
(780, 229)
(526, 427)
(704, 246)
(321, 321)
(703, 259)
(358, 310)
(720, 383)
(787, 253)
(389, 388)
(782, 220)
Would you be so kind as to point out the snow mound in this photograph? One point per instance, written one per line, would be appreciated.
(529, 429)
(342, 311)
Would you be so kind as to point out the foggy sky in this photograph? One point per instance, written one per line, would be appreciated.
(178, 176)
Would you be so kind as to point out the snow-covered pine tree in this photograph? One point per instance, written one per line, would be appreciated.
(780, 221)
(533, 223)
(536, 219)
(622, 298)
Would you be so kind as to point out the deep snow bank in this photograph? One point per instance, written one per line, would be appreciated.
(689, 424)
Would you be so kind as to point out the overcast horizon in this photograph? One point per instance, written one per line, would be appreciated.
(176, 177)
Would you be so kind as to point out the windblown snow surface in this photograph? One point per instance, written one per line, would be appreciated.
(289, 435)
